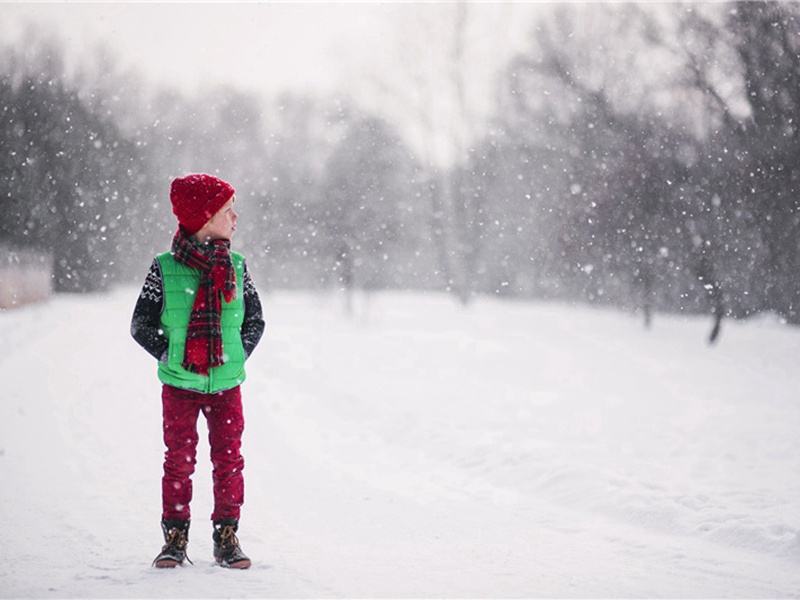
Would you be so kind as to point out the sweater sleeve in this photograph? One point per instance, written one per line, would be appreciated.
(146, 322)
(253, 325)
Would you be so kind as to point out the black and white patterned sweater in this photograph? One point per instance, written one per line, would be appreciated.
(146, 322)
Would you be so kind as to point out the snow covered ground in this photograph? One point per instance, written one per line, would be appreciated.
(417, 450)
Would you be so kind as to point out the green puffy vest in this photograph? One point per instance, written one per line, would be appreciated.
(180, 287)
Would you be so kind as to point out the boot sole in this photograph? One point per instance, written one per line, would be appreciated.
(242, 564)
(167, 564)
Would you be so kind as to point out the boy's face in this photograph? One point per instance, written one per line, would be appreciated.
(222, 225)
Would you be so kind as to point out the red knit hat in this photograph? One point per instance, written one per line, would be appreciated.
(198, 197)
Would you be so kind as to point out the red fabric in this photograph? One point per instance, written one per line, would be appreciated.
(223, 412)
(218, 280)
(198, 197)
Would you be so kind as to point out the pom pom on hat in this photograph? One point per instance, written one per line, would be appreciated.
(198, 197)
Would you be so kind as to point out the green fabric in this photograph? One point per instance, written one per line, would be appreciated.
(180, 286)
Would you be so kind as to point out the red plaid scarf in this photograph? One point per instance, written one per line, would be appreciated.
(217, 281)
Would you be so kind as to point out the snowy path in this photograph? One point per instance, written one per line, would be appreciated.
(508, 450)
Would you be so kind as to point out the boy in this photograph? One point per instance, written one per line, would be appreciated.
(199, 314)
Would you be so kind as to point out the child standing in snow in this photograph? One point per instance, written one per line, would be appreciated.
(200, 316)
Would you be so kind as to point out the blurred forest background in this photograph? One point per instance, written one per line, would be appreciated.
(643, 156)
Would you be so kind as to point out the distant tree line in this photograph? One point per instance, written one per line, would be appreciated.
(640, 156)
(647, 157)
(66, 172)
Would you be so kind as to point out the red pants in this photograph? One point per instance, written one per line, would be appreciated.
(223, 412)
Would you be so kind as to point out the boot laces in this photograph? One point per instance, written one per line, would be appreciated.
(177, 539)
(227, 537)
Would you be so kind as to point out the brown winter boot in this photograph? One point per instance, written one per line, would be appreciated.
(176, 536)
(226, 545)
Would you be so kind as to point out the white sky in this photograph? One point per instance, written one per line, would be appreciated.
(258, 45)
(354, 47)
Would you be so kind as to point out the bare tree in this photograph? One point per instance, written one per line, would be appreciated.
(442, 98)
